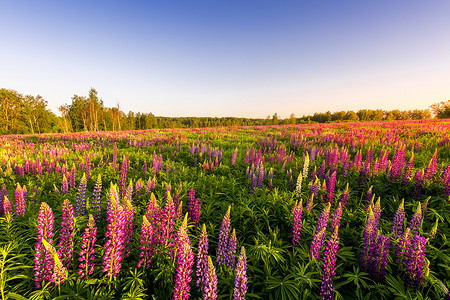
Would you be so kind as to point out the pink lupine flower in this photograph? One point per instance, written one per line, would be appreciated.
(43, 265)
(222, 247)
(210, 281)
(202, 262)
(20, 201)
(115, 235)
(87, 252)
(66, 240)
(329, 266)
(146, 244)
(297, 223)
(185, 260)
(55, 267)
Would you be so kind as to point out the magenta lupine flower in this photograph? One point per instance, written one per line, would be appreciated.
(232, 247)
(416, 221)
(152, 208)
(129, 217)
(403, 246)
(7, 208)
(138, 188)
(408, 170)
(87, 252)
(432, 166)
(81, 197)
(167, 222)
(418, 182)
(72, 177)
(194, 207)
(399, 219)
(398, 163)
(65, 248)
(445, 181)
(144, 168)
(56, 268)
(96, 196)
(210, 282)
(20, 201)
(240, 283)
(151, 184)
(222, 246)
(115, 235)
(185, 260)
(305, 166)
(65, 185)
(321, 172)
(331, 182)
(43, 264)
(297, 223)
(87, 167)
(202, 260)
(319, 236)
(123, 176)
(146, 245)
(344, 196)
(233, 158)
(329, 266)
(416, 261)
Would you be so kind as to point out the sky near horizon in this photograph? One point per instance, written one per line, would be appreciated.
(247, 58)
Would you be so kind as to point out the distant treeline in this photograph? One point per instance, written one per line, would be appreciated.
(29, 114)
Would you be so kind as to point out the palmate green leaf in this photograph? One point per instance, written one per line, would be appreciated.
(284, 288)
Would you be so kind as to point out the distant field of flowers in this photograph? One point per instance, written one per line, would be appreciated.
(319, 211)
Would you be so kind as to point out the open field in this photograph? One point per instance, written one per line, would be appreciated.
(346, 210)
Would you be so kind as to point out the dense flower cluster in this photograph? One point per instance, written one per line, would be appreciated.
(65, 248)
(87, 252)
(319, 236)
(240, 283)
(297, 223)
(329, 266)
(43, 265)
(81, 197)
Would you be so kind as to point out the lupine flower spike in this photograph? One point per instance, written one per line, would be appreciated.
(240, 284)
(66, 240)
(202, 259)
(87, 252)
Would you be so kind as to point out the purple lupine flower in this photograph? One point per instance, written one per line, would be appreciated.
(65, 185)
(403, 245)
(20, 201)
(240, 283)
(416, 261)
(319, 236)
(297, 223)
(210, 282)
(81, 197)
(321, 172)
(314, 174)
(65, 248)
(129, 217)
(418, 182)
(167, 222)
(329, 266)
(270, 185)
(96, 196)
(57, 271)
(42, 259)
(232, 247)
(379, 257)
(261, 175)
(376, 212)
(115, 235)
(408, 170)
(416, 221)
(87, 252)
(233, 158)
(35, 192)
(344, 196)
(369, 238)
(146, 244)
(398, 162)
(202, 263)
(399, 219)
(222, 246)
(446, 181)
(331, 182)
(185, 260)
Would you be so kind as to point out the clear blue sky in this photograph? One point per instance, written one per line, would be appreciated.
(246, 58)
